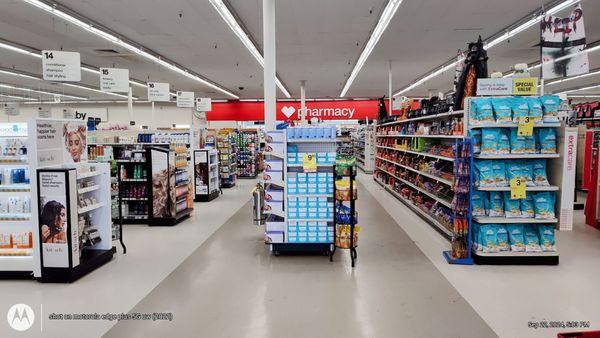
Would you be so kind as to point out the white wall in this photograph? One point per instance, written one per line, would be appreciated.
(165, 115)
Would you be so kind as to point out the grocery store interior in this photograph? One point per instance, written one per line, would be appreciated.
(280, 168)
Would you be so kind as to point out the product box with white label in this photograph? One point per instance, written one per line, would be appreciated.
(274, 148)
(275, 206)
(273, 165)
(274, 137)
(273, 175)
(275, 226)
(274, 237)
(274, 195)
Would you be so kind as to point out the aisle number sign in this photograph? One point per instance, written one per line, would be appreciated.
(114, 80)
(61, 66)
(159, 92)
(309, 162)
(525, 127)
(203, 104)
(185, 99)
(517, 189)
(525, 86)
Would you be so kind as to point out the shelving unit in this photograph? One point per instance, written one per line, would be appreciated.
(345, 234)
(227, 147)
(206, 175)
(419, 170)
(247, 142)
(363, 140)
(16, 236)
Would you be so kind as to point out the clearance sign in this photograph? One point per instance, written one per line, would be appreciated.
(324, 110)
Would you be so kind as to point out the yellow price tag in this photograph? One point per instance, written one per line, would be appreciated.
(517, 189)
(309, 162)
(525, 86)
(525, 127)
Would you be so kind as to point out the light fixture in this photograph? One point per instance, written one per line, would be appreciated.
(29, 90)
(550, 83)
(18, 97)
(384, 20)
(19, 50)
(13, 72)
(119, 41)
(495, 41)
(579, 89)
(583, 96)
(241, 34)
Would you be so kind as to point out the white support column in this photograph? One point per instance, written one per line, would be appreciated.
(130, 104)
(303, 102)
(153, 124)
(390, 86)
(270, 63)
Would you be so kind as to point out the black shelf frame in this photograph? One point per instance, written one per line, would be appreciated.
(352, 201)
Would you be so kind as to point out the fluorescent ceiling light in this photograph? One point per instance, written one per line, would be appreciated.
(29, 90)
(579, 89)
(18, 97)
(19, 50)
(118, 41)
(384, 20)
(241, 34)
(487, 45)
(583, 96)
(29, 76)
(550, 83)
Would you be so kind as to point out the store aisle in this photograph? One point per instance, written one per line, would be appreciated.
(233, 287)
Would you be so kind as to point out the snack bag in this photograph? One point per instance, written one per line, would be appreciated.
(503, 146)
(550, 104)
(532, 241)
(530, 147)
(483, 109)
(485, 172)
(512, 208)
(519, 170)
(502, 110)
(516, 237)
(489, 140)
(543, 203)
(473, 115)
(527, 208)
(520, 108)
(546, 235)
(518, 144)
(535, 109)
(499, 169)
(547, 140)
(480, 203)
(527, 170)
(496, 204)
(540, 176)
(502, 235)
(476, 139)
(489, 238)
(476, 236)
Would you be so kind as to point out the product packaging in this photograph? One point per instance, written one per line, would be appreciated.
(502, 110)
(479, 203)
(520, 108)
(546, 234)
(544, 205)
(550, 104)
(512, 208)
(532, 241)
(516, 237)
(502, 234)
(489, 140)
(496, 204)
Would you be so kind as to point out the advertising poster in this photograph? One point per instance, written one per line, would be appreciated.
(201, 172)
(60, 142)
(54, 221)
(563, 45)
(162, 205)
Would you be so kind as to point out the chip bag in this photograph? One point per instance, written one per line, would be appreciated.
(479, 203)
(485, 173)
(544, 205)
(476, 139)
(535, 109)
(516, 237)
(483, 110)
(496, 204)
(502, 235)
(532, 241)
(520, 108)
(527, 208)
(512, 208)
(547, 140)
(499, 168)
(489, 140)
(550, 104)
(540, 176)
(503, 146)
(502, 110)
(546, 236)
(489, 238)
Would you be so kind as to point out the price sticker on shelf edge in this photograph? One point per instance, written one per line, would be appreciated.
(61, 66)
(309, 162)
(525, 127)
(114, 80)
(517, 189)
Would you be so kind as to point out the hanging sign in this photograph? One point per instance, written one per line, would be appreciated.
(61, 66)
(517, 189)
(12, 109)
(114, 80)
(44, 112)
(61, 141)
(203, 104)
(525, 86)
(563, 44)
(525, 127)
(185, 99)
(494, 87)
(158, 92)
(309, 162)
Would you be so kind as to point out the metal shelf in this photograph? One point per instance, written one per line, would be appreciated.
(419, 153)
(434, 177)
(513, 125)
(513, 156)
(426, 136)
(427, 117)
(442, 200)
(536, 188)
(506, 220)
(14, 188)
(88, 189)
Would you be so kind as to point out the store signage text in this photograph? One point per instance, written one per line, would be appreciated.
(61, 66)
(115, 80)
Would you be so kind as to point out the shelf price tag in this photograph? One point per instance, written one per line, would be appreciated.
(525, 127)
(517, 189)
(309, 162)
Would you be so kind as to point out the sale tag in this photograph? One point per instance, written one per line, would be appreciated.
(525, 127)
(309, 162)
(517, 189)
(525, 86)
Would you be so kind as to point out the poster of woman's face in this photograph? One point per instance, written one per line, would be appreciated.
(74, 134)
(53, 222)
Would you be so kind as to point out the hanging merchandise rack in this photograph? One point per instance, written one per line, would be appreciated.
(227, 146)
(247, 153)
(345, 217)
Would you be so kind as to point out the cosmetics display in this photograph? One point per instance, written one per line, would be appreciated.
(227, 146)
(363, 140)
(247, 153)
(16, 238)
(206, 175)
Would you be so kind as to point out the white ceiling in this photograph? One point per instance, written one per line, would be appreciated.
(317, 40)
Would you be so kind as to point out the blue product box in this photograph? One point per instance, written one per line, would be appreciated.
(291, 133)
(333, 132)
(291, 158)
(302, 190)
(312, 211)
(292, 188)
(302, 225)
(292, 178)
(322, 175)
(311, 178)
(312, 133)
(293, 238)
(305, 133)
(320, 132)
(312, 214)
(312, 202)
(312, 239)
(312, 229)
(302, 203)
(312, 188)
(302, 236)
(293, 212)
(302, 212)
(312, 191)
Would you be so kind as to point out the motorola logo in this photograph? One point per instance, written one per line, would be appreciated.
(20, 317)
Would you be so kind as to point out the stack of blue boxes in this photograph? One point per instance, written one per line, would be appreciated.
(311, 133)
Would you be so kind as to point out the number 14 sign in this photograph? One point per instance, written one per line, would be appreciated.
(61, 66)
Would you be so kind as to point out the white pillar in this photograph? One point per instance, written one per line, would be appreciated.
(270, 63)
(153, 124)
(130, 104)
(390, 86)
(303, 102)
